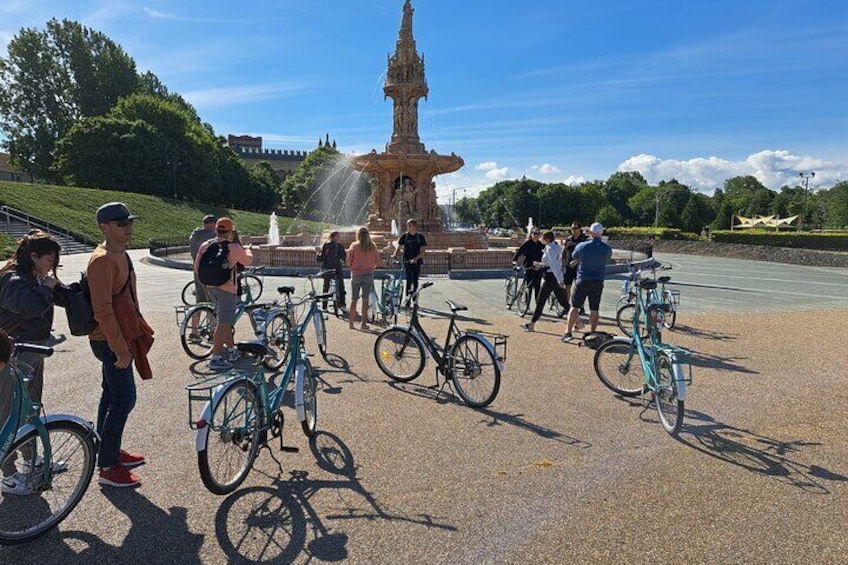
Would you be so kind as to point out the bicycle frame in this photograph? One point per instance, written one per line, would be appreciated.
(432, 349)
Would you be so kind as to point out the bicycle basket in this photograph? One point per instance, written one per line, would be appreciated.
(497, 340)
(180, 313)
(202, 392)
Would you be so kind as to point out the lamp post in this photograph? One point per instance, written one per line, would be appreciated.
(806, 178)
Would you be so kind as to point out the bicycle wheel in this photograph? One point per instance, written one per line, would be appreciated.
(556, 307)
(511, 290)
(670, 317)
(321, 334)
(669, 406)
(189, 295)
(24, 517)
(474, 370)
(399, 355)
(624, 320)
(255, 284)
(523, 299)
(232, 441)
(197, 330)
(277, 332)
(618, 366)
(309, 423)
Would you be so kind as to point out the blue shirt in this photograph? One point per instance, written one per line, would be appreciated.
(593, 255)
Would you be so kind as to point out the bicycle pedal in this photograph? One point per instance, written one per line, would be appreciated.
(289, 449)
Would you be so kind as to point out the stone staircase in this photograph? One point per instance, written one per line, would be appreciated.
(17, 223)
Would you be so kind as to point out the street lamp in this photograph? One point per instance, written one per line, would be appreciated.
(806, 178)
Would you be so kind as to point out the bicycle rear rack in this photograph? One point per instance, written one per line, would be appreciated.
(202, 392)
(683, 357)
(497, 340)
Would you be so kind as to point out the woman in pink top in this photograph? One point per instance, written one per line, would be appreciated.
(362, 258)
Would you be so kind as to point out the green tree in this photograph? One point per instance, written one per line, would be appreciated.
(467, 211)
(620, 188)
(690, 217)
(837, 205)
(609, 217)
(50, 79)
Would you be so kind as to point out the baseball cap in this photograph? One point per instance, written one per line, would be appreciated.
(209, 219)
(597, 228)
(224, 224)
(114, 211)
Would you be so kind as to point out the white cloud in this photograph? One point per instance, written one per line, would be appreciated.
(773, 168)
(486, 166)
(548, 169)
(497, 173)
(229, 95)
(573, 180)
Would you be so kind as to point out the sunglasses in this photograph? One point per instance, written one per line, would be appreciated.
(536, 233)
(223, 232)
(123, 223)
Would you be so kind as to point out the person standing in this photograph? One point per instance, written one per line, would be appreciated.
(362, 260)
(551, 265)
(331, 257)
(531, 252)
(591, 257)
(413, 245)
(570, 273)
(197, 238)
(27, 295)
(225, 254)
(110, 273)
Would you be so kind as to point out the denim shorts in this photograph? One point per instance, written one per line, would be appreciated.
(363, 283)
(225, 305)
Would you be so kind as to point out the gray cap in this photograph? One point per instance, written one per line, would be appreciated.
(114, 211)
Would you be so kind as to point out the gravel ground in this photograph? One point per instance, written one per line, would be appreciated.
(556, 470)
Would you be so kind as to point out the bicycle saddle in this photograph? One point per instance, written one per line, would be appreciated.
(285, 289)
(456, 307)
(386, 277)
(664, 279)
(255, 347)
(648, 284)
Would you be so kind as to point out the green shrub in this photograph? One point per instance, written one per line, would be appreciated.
(829, 241)
(7, 247)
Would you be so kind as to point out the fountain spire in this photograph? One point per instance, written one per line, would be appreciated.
(405, 85)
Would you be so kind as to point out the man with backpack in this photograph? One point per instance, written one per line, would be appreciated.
(413, 245)
(197, 238)
(216, 267)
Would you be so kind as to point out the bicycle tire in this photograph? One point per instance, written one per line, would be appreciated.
(277, 333)
(670, 319)
(256, 286)
(394, 346)
(624, 321)
(468, 371)
(79, 461)
(321, 335)
(523, 300)
(555, 306)
(199, 345)
(238, 427)
(511, 288)
(614, 360)
(669, 406)
(188, 295)
(309, 424)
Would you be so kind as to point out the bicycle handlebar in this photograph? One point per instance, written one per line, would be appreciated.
(31, 348)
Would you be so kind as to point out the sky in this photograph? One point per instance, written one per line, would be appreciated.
(557, 90)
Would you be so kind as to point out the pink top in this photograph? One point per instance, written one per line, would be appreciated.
(361, 263)
(238, 254)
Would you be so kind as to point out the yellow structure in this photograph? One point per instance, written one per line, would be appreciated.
(764, 222)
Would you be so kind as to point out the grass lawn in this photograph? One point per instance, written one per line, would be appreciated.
(7, 247)
(74, 208)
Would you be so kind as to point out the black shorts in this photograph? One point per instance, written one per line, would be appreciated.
(590, 289)
(570, 274)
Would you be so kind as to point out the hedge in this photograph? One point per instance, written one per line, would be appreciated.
(645, 233)
(798, 240)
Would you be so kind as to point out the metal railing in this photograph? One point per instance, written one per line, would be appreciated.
(10, 214)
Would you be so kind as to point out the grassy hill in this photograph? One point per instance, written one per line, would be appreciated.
(7, 247)
(74, 209)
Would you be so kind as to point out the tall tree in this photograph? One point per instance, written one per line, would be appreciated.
(50, 79)
(620, 188)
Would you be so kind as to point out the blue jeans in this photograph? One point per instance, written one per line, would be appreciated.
(116, 403)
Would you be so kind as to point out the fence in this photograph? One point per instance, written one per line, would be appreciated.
(8, 214)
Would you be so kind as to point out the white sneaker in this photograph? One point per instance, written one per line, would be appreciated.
(17, 484)
(55, 466)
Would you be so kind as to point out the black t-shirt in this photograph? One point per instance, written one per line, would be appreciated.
(570, 244)
(412, 245)
(531, 251)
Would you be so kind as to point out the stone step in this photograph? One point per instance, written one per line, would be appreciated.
(18, 229)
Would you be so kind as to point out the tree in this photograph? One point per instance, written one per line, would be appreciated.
(609, 217)
(620, 188)
(837, 205)
(467, 211)
(51, 79)
(690, 217)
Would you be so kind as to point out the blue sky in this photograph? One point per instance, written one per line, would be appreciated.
(555, 90)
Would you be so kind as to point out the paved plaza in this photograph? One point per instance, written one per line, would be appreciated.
(556, 470)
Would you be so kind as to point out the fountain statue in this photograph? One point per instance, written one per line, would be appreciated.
(273, 230)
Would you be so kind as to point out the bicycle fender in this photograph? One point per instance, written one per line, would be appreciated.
(27, 428)
(679, 377)
(319, 335)
(299, 375)
(491, 347)
(206, 414)
(416, 336)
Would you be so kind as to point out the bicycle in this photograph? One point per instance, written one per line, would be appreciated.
(239, 410)
(468, 359)
(53, 482)
(663, 373)
(511, 285)
(197, 324)
(383, 308)
(625, 312)
(247, 278)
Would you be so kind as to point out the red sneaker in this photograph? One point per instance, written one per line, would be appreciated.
(118, 476)
(130, 460)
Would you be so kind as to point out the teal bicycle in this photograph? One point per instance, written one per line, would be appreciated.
(240, 408)
(665, 369)
(47, 460)
(383, 308)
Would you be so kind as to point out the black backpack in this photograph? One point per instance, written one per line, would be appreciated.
(593, 340)
(214, 268)
(76, 298)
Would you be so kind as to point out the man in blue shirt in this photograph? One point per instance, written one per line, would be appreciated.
(591, 257)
